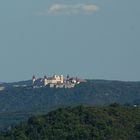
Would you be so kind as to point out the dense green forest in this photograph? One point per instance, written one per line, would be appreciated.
(114, 122)
(18, 104)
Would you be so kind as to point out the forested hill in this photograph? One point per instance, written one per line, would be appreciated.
(80, 123)
(94, 92)
(18, 104)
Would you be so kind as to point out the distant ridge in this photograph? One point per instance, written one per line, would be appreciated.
(94, 92)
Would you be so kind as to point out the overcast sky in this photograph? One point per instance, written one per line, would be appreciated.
(97, 39)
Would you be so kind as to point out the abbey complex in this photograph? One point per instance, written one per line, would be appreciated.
(57, 81)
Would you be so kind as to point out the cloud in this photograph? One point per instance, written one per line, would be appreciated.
(64, 9)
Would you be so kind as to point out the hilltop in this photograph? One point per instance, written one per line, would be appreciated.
(80, 123)
(25, 101)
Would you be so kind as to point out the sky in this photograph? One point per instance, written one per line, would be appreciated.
(94, 39)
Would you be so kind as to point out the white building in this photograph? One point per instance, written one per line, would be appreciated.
(54, 80)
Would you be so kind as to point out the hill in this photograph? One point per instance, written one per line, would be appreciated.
(80, 123)
(25, 101)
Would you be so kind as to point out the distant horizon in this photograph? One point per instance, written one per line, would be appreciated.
(20, 80)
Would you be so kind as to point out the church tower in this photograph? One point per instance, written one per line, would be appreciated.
(33, 79)
(45, 80)
(61, 79)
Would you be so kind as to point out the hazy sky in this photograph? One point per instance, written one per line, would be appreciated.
(97, 39)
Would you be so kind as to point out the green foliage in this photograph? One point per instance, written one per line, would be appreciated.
(114, 122)
(18, 104)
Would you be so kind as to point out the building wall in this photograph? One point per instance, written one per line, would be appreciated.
(54, 80)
